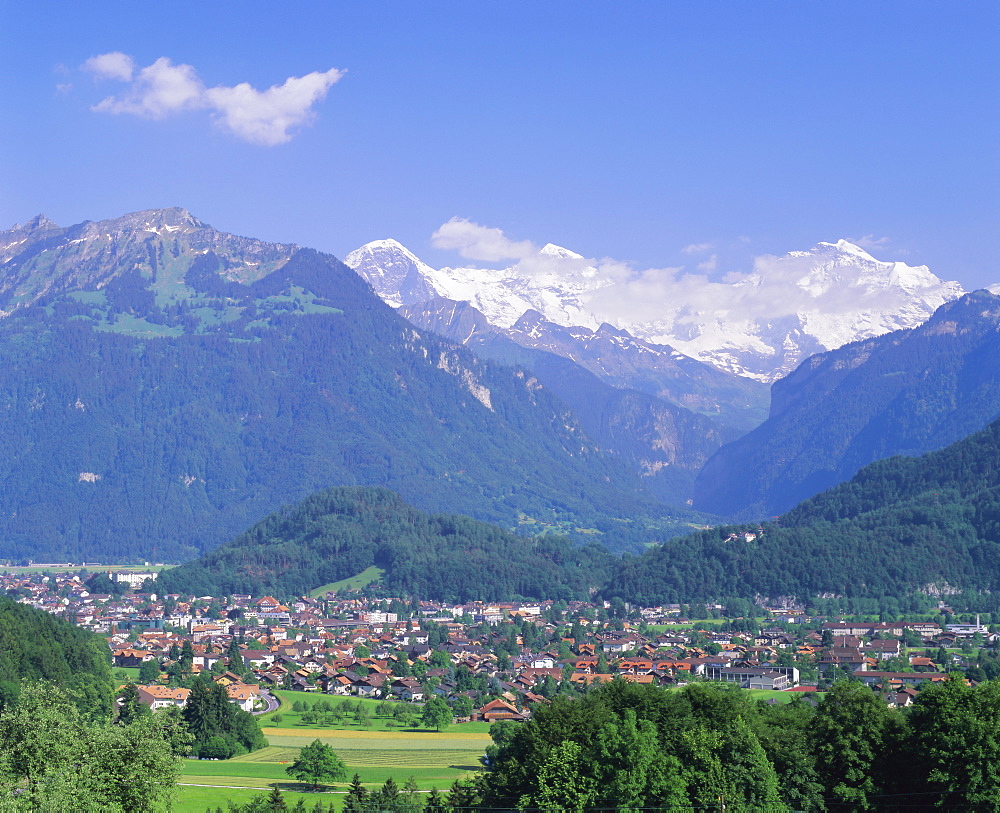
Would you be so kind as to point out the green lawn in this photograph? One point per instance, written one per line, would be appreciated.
(379, 720)
(131, 671)
(198, 799)
(702, 624)
(356, 582)
(137, 326)
(781, 697)
(90, 568)
(432, 759)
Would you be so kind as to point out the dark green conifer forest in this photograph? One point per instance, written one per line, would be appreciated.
(35, 645)
(339, 532)
(139, 425)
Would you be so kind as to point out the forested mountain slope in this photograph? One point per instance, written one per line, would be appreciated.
(37, 646)
(900, 525)
(908, 392)
(655, 437)
(340, 532)
(166, 385)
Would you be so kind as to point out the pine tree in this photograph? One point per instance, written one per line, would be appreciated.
(186, 655)
(461, 798)
(130, 706)
(356, 800)
(411, 801)
(387, 797)
(434, 803)
(235, 659)
(276, 801)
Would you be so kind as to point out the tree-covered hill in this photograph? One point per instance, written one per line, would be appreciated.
(340, 532)
(898, 526)
(908, 392)
(37, 646)
(165, 386)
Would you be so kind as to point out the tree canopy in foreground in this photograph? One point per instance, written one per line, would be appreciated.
(625, 746)
(52, 758)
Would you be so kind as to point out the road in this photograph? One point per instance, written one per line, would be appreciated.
(272, 702)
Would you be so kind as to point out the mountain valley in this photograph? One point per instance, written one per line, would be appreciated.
(904, 393)
(167, 385)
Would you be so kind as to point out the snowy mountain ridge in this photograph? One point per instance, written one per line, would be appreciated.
(760, 325)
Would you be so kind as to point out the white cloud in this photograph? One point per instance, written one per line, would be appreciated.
(671, 302)
(870, 242)
(697, 248)
(113, 65)
(265, 117)
(709, 265)
(259, 117)
(475, 242)
(159, 90)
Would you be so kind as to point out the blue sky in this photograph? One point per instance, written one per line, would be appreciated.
(628, 130)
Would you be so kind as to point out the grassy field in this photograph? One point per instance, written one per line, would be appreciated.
(432, 759)
(781, 697)
(131, 671)
(362, 579)
(90, 568)
(193, 799)
(704, 623)
(767, 694)
(381, 715)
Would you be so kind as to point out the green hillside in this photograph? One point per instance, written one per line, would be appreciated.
(898, 526)
(173, 385)
(35, 645)
(908, 392)
(340, 532)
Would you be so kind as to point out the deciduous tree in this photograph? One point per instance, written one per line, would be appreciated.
(316, 764)
(436, 714)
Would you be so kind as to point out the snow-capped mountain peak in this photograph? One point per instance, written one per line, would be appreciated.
(760, 325)
(395, 273)
(552, 250)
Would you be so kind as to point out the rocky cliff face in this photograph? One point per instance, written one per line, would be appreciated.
(663, 442)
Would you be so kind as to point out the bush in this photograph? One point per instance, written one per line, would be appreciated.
(215, 748)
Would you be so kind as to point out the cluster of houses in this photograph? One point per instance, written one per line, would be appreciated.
(393, 650)
(246, 696)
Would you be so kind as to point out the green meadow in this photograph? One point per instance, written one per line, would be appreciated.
(356, 582)
(381, 715)
(704, 623)
(433, 759)
(27, 570)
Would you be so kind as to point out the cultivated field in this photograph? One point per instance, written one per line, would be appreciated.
(433, 759)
